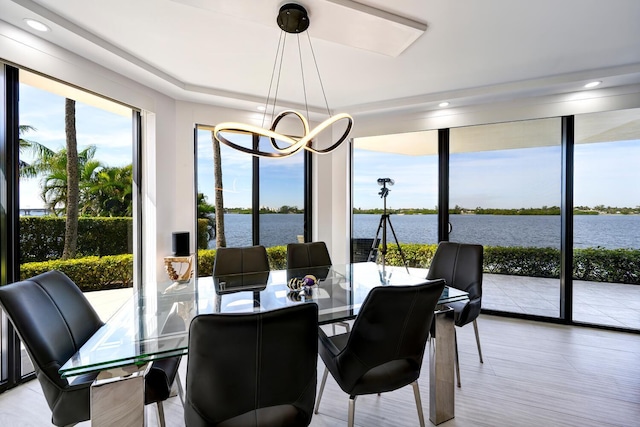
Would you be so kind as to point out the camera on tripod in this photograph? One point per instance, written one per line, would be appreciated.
(385, 220)
(384, 191)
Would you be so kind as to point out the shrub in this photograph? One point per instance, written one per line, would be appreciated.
(42, 238)
(89, 273)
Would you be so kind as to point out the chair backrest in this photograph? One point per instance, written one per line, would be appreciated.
(460, 265)
(248, 259)
(363, 250)
(312, 254)
(393, 324)
(240, 364)
(53, 319)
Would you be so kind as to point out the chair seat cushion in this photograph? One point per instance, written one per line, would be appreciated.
(465, 311)
(280, 415)
(388, 377)
(159, 379)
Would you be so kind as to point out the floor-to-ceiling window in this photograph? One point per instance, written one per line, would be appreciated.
(55, 120)
(267, 192)
(401, 170)
(282, 200)
(606, 224)
(505, 194)
(237, 175)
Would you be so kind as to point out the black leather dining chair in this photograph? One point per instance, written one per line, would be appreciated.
(312, 254)
(364, 249)
(54, 319)
(384, 350)
(460, 265)
(245, 259)
(253, 369)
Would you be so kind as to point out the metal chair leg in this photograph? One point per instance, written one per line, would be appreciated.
(161, 422)
(416, 393)
(178, 383)
(352, 410)
(457, 360)
(475, 328)
(324, 381)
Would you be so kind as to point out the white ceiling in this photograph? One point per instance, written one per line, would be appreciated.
(472, 51)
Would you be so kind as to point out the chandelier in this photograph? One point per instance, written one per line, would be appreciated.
(292, 19)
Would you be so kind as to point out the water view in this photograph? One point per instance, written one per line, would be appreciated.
(607, 231)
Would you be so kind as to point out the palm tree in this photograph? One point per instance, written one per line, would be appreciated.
(221, 240)
(108, 192)
(27, 170)
(54, 182)
(73, 181)
(207, 211)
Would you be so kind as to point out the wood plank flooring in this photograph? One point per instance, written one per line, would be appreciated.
(534, 374)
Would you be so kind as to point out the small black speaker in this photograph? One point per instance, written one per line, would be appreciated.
(180, 243)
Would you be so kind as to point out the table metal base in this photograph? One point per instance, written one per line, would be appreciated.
(441, 367)
(117, 397)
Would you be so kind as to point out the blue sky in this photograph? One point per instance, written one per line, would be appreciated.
(109, 132)
(281, 179)
(605, 173)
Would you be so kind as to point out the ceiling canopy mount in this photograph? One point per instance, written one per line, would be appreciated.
(293, 18)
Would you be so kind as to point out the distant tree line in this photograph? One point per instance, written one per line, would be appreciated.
(544, 210)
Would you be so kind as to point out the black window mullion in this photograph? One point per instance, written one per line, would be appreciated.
(308, 203)
(566, 220)
(255, 194)
(443, 185)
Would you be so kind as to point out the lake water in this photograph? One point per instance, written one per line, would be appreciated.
(608, 231)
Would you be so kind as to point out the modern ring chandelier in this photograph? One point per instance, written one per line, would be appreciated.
(292, 19)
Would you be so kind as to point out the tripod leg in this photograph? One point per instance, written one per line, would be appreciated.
(373, 249)
(404, 260)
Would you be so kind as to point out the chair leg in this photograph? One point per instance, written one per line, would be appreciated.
(456, 360)
(352, 411)
(475, 328)
(161, 422)
(324, 381)
(416, 393)
(179, 386)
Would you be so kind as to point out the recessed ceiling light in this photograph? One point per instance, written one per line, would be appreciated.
(592, 84)
(36, 25)
(443, 104)
(261, 108)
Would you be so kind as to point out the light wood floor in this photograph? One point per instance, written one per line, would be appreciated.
(534, 374)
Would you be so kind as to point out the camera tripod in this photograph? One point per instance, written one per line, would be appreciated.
(384, 220)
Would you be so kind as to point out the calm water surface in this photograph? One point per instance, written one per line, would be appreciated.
(608, 231)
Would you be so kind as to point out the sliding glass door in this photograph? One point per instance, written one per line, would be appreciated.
(606, 248)
(72, 157)
(505, 194)
(401, 170)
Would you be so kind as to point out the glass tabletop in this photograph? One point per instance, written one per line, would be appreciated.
(150, 327)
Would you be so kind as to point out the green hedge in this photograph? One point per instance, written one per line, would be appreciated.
(89, 273)
(42, 238)
(594, 264)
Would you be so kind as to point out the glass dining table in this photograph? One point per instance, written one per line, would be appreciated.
(155, 325)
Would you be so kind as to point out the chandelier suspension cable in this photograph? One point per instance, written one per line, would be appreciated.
(279, 54)
(304, 86)
(313, 54)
